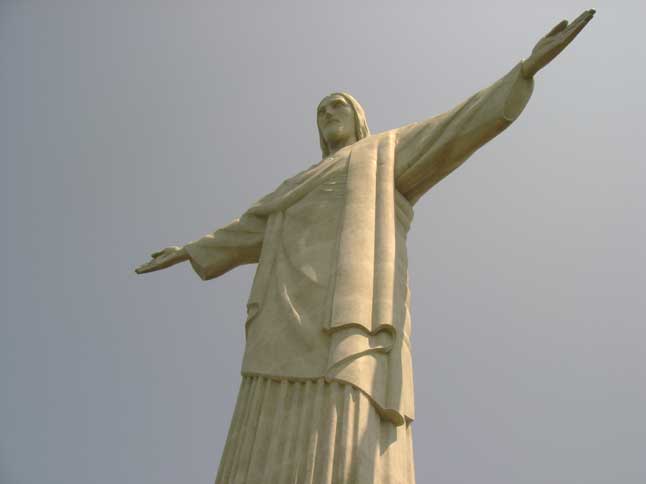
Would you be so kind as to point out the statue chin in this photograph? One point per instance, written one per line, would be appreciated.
(334, 135)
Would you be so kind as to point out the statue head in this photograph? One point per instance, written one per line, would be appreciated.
(341, 121)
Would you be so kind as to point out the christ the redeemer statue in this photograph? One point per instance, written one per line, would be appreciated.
(327, 382)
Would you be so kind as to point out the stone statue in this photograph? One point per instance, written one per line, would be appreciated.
(327, 385)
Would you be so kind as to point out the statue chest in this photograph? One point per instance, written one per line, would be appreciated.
(310, 229)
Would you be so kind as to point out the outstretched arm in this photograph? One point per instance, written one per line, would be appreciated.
(236, 244)
(429, 150)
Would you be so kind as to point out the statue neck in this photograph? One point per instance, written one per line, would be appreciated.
(340, 144)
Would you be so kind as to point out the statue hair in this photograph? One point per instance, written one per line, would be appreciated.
(360, 122)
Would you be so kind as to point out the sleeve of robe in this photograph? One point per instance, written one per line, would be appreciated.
(235, 244)
(429, 150)
(241, 241)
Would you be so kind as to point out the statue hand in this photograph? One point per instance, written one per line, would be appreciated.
(554, 42)
(162, 259)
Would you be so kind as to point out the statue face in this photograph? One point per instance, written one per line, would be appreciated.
(335, 118)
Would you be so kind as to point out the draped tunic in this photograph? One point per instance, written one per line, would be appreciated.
(330, 297)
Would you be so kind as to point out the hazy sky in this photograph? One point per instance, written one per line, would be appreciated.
(127, 126)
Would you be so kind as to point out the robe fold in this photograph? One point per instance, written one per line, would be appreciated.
(330, 298)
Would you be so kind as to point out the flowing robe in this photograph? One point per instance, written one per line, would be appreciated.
(330, 298)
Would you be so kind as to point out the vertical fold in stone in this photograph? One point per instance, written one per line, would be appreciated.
(312, 432)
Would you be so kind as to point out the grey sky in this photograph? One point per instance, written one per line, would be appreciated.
(127, 126)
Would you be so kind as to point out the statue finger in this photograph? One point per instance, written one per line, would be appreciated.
(574, 31)
(153, 265)
(582, 19)
(142, 269)
(157, 254)
(559, 27)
